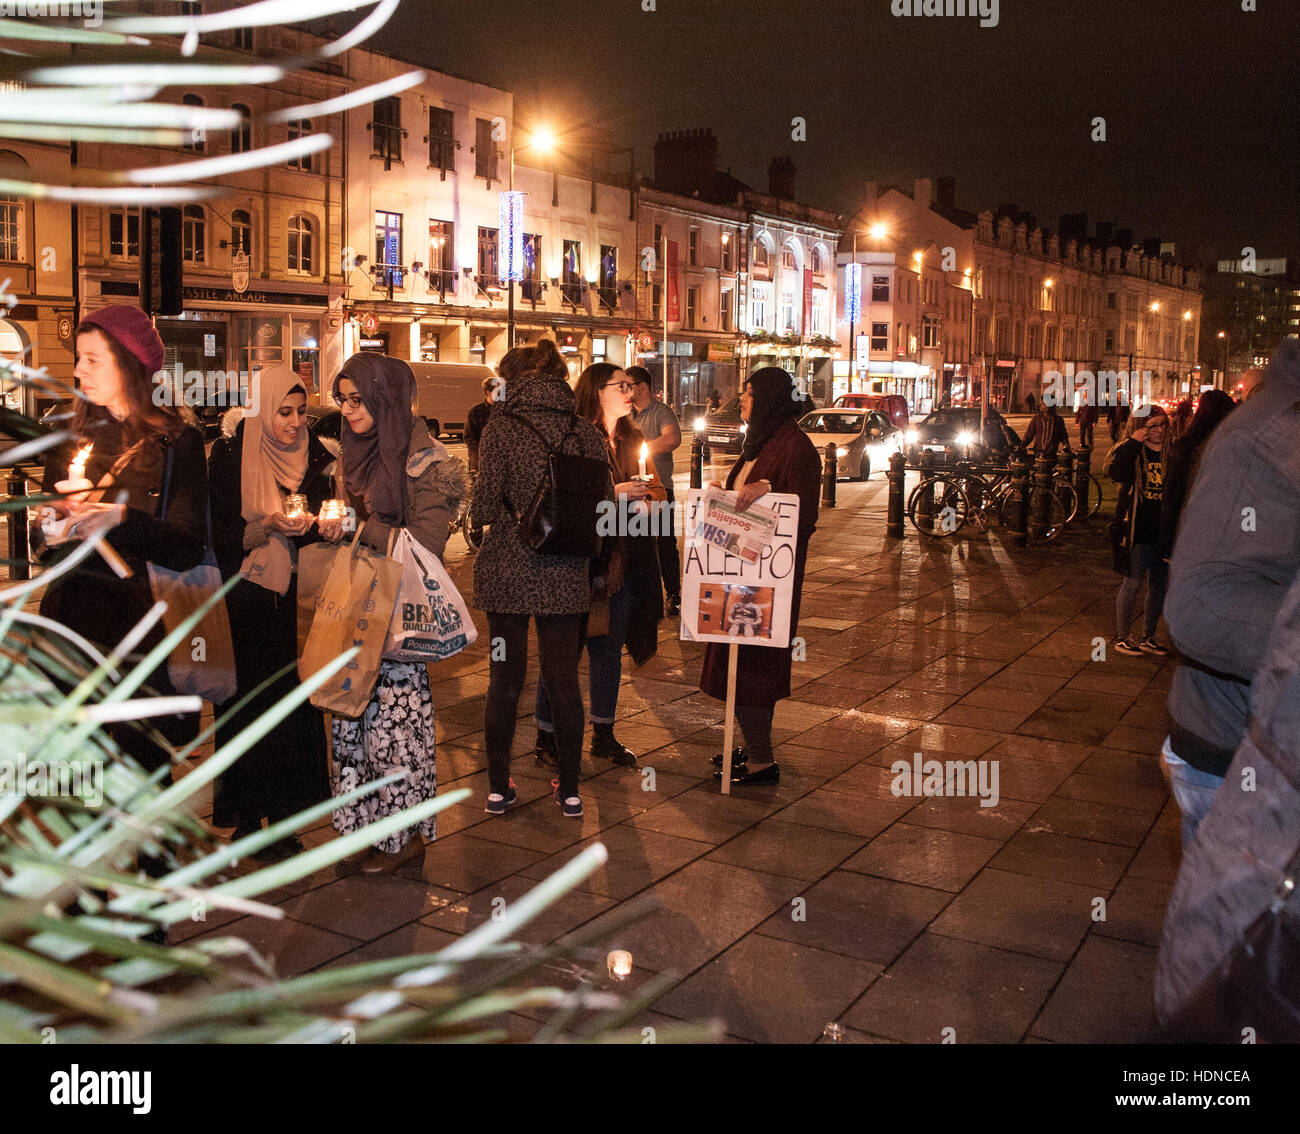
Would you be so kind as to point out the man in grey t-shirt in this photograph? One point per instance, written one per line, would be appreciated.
(663, 433)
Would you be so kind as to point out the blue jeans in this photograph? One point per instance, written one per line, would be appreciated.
(606, 670)
(1144, 559)
(1193, 789)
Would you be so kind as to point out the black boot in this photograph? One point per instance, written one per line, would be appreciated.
(544, 750)
(605, 744)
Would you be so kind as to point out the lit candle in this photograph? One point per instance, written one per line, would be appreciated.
(645, 452)
(620, 964)
(77, 470)
(331, 510)
(295, 506)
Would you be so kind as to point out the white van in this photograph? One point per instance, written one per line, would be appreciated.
(446, 392)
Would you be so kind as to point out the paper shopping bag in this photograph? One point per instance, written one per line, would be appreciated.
(315, 561)
(202, 665)
(354, 609)
(430, 619)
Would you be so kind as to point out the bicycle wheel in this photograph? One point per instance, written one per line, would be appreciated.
(982, 498)
(1063, 490)
(951, 508)
(1056, 515)
(1092, 505)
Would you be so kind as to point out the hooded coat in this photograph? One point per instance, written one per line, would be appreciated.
(789, 461)
(509, 576)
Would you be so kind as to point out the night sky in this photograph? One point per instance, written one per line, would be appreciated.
(1200, 98)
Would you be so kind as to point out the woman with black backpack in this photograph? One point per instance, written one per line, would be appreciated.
(513, 582)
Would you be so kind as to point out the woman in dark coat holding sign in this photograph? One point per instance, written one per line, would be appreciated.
(777, 457)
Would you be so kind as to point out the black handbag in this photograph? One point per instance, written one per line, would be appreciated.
(561, 519)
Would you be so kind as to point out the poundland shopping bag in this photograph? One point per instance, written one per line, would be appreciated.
(353, 609)
(430, 620)
(315, 561)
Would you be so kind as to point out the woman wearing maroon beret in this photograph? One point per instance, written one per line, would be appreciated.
(148, 451)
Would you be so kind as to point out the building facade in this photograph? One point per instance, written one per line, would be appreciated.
(1250, 307)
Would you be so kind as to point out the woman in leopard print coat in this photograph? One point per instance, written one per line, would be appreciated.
(513, 583)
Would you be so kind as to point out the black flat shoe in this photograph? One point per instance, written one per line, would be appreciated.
(738, 756)
(606, 746)
(764, 774)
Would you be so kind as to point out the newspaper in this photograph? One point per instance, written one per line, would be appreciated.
(743, 534)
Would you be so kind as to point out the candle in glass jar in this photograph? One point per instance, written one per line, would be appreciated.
(645, 452)
(331, 510)
(295, 506)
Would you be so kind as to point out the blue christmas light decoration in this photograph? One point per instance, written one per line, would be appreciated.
(512, 235)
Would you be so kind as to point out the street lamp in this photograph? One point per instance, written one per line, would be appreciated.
(543, 140)
(1224, 336)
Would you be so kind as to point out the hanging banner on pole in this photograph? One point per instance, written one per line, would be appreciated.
(512, 235)
(674, 291)
(730, 596)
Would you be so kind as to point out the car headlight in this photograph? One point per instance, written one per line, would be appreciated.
(700, 425)
(913, 436)
(842, 452)
(965, 439)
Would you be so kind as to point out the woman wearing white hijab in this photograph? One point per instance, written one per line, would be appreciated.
(268, 455)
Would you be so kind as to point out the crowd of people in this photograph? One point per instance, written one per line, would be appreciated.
(391, 474)
(1208, 517)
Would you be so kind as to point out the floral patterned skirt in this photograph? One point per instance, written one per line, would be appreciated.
(394, 734)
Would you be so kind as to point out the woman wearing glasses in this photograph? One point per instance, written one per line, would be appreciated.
(627, 599)
(395, 476)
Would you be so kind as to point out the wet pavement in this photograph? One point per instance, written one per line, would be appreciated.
(829, 897)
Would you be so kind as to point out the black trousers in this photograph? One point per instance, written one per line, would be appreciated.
(670, 564)
(559, 645)
(756, 723)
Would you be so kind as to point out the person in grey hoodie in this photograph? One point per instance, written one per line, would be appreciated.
(1237, 551)
(1240, 860)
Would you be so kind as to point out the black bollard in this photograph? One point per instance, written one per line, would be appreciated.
(897, 478)
(925, 505)
(1083, 483)
(1020, 468)
(697, 463)
(1040, 510)
(830, 475)
(19, 555)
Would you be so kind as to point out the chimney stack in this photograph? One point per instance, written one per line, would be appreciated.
(780, 178)
(686, 161)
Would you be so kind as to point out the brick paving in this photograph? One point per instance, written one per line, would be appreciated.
(915, 915)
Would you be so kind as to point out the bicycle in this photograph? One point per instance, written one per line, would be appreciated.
(950, 506)
(460, 521)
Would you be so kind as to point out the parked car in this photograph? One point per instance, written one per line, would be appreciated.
(893, 406)
(864, 439)
(324, 422)
(953, 434)
(724, 431)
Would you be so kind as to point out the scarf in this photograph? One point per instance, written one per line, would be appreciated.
(266, 468)
(774, 404)
(374, 463)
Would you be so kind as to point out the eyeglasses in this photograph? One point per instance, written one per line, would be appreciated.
(353, 401)
(621, 387)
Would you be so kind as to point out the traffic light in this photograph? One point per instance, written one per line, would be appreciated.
(160, 262)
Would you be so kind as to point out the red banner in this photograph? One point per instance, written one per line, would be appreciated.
(806, 325)
(674, 292)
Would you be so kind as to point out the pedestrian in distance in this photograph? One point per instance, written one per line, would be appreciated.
(1184, 460)
(777, 457)
(663, 435)
(267, 456)
(1085, 417)
(477, 419)
(1137, 464)
(395, 475)
(513, 583)
(154, 453)
(1237, 549)
(627, 596)
(1047, 432)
